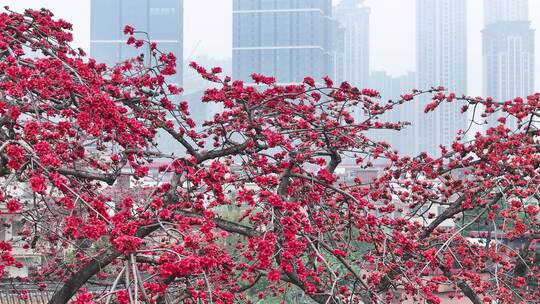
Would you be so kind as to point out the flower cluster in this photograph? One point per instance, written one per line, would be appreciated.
(260, 198)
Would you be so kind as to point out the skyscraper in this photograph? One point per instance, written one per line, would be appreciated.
(351, 42)
(508, 49)
(441, 60)
(288, 39)
(161, 19)
(391, 88)
(505, 10)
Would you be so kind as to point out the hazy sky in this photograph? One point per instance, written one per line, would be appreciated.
(208, 24)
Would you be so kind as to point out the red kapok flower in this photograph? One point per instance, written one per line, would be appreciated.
(13, 206)
(37, 183)
(129, 30)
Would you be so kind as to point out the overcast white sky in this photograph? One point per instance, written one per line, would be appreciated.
(392, 31)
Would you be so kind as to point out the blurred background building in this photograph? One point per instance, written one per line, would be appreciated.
(441, 60)
(508, 50)
(162, 20)
(351, 42)
(392, 88)
(288, 39)
(159, 21)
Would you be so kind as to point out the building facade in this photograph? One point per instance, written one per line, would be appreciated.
(441, 60)
(505, 10)
(392, 88)
(288, 39)
(162, 20)
(351, 42)
(508, 50)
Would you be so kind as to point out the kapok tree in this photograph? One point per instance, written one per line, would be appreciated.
(254, 197)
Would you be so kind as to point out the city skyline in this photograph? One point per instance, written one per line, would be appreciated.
(392, 48)
(290, 40)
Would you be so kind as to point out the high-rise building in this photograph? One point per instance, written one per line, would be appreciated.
(392, 88)
(162, 20)
(441, 60)
(508, 49)
(351, 42)
(505, 10)
(288, 39)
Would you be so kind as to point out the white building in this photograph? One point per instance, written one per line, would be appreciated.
(392, 88)
(441, 60)
(351, 42)
(11, 226)
(505, 11)
(162, 21)
(508, 50)
(286, 39)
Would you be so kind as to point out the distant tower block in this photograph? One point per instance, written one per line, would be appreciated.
(161, 19)
(287, 39)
